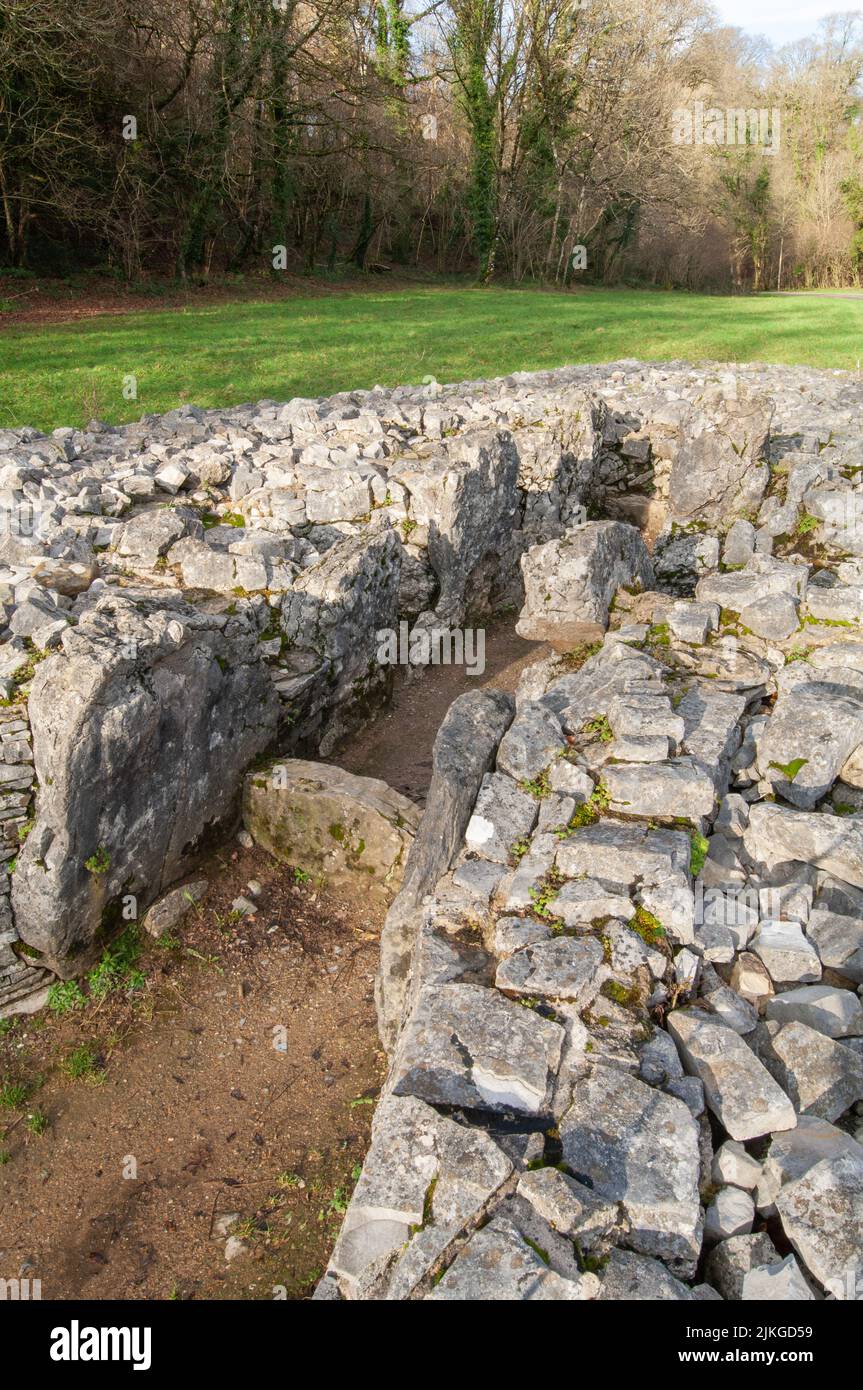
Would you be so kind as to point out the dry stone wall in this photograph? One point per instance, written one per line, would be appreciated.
(620, 985)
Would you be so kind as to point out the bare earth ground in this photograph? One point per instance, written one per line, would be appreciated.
(182, 1075)
(397, 745)
(188, 1082)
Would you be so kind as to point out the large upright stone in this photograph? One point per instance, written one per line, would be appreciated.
(332, 616)
(142, 729)
(467, 504)
(720, 472)
(464, 750)
(569, 583)
(637, 1146)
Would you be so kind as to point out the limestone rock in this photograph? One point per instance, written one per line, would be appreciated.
(569, 583)
(739, 1090)
(466, 1045)
(634, 1145)
(354, 831)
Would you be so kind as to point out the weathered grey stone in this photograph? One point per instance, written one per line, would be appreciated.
(834, 843)
(731, 1260)
(691, 622)
(822, 1216)
(161, 709)
(569, 583)
(636, 1146)
(581, 901)
(469, 508)
(533, 740)
(498, 1265)
(675, 788)
(711, 737)
(655, 862)
(334, 611)
(835, 1012)
(749, 976)
(563, 968)
(720, 472)
(636, 748)
(773, 617)
(781, 1283)
(511, 933)
(569, 1207)
(422, 1171)
(146, 537)
(786, 953)
(731, 1213)
(629, 1278)
(738, 1088)
(466, 1045)
(813, 730)
(821, 1076)
(762, 576)
(796, 1151)
(464, 750)
(732, 1164)
(353, 831)
(739, 544)
(502, 817)
(839, 942)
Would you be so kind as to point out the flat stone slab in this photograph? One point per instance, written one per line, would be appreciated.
(822, 1216)
(796, 1151)
(497, 1265)
(786, 952)
(675, 788)
(467, 1045)
(503, 816)
(634, 1145)
(738, 1088)
(423, 1180)
(564, 968)
(837, 1013)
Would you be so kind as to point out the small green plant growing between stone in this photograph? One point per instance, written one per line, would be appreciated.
(99, 863)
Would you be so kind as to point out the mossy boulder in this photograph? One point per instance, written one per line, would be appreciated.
(353, 832)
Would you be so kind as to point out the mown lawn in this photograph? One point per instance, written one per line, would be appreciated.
(228, 353)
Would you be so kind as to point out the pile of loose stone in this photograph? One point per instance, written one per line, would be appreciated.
(620, 986)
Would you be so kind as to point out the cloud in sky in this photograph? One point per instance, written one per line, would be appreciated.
(778, 21)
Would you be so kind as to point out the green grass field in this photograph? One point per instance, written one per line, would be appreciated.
(230, 353)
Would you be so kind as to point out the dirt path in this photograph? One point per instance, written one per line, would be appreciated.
(146, 1120)
(397, 745)
(183, 1078)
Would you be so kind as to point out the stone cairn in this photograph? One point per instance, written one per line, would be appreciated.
(620, 984)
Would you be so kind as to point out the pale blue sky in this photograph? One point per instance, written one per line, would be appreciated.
(779, 20)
